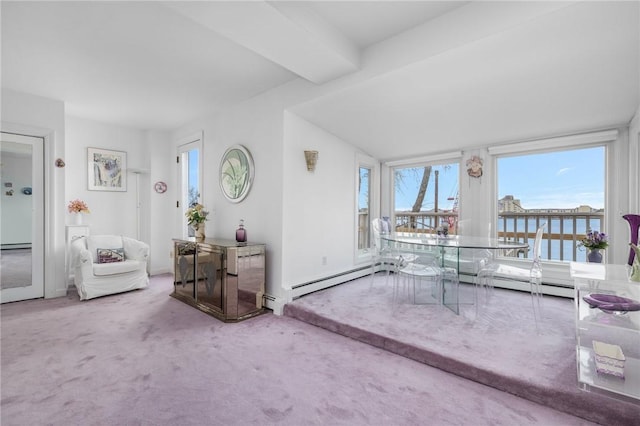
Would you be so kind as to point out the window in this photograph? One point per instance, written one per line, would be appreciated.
(190, 176)
(564, 189)
(366, 203)
(426, 197)
(364, 207)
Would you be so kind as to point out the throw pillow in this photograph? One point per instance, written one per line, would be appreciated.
(95, 242)
(110, 255)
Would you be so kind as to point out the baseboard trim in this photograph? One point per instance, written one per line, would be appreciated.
(161, 271)
(301, 289)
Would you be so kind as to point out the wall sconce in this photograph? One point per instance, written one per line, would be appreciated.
(312, 159)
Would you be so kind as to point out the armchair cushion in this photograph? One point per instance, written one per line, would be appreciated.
(105, 269)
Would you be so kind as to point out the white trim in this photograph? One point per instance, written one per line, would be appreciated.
(37, 244)
(185, 144)
(555, 272)
(55, 284)
(426, 159)
(562, 143)
(193, 137)
(363, 160)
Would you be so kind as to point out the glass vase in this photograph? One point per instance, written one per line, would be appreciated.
(241, 233)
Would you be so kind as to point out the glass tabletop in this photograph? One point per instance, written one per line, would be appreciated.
(454, 241)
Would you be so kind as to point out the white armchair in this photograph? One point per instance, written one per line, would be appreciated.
(108, 264)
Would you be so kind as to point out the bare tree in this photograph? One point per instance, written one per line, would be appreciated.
(422, 191)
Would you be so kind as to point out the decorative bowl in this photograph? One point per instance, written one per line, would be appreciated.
(611, 303)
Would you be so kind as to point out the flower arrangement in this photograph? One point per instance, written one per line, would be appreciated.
(78, 206)
(595, 240)
(196, 214)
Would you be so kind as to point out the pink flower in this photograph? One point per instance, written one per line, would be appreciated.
(78, 206)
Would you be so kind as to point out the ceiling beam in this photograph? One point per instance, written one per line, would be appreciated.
(291, 36)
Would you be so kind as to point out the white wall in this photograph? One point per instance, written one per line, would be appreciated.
(143, 215)
(111, 212)
(256, 124)
(37, 116)
(157, 230)
(318, 207)
(302, 216)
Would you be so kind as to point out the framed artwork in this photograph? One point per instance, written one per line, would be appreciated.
(236, 173)
(107, 170)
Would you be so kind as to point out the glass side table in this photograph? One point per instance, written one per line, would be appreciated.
(604, 300)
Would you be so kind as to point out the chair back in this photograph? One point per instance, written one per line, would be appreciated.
(376, 227)
(537, 244)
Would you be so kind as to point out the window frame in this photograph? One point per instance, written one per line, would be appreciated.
(184, 146)
(365, 161)
(430, 160)
(556, 273)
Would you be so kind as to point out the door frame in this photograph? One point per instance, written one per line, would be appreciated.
(184, 145)
(37, 223)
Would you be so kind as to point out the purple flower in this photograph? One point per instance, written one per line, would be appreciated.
(595, 240)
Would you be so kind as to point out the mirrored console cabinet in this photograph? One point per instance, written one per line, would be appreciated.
(221, 277)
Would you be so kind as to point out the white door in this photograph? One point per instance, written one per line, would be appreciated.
(22, 217)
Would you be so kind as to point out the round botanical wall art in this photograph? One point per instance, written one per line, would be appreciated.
(236, 173)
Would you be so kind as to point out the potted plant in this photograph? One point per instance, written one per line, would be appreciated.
(595, 241)
(78, 207)
(196, 216)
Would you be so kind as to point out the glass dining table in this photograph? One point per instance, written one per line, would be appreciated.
(453, 251)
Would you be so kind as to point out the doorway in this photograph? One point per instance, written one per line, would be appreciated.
(22, 218)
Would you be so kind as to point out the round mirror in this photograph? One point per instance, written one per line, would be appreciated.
(236, 173)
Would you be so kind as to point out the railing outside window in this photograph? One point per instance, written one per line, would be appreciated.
(560, 241)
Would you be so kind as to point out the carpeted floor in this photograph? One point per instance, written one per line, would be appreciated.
(144, 358)
(15, 268)
(498, 345)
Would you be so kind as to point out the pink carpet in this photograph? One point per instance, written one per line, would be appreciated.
(144, 358)
(499, 347)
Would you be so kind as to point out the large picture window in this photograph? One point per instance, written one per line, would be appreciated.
(564, 189)
(426, 197)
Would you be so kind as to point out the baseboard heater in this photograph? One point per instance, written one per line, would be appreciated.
(330, 281)
(548, 287)
(15, 246)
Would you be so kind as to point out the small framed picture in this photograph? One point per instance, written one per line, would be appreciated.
(107, 170)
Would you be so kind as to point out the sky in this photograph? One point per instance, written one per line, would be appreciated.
(563, 179)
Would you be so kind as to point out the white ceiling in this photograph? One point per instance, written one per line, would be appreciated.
(576, 68)
(474, 72)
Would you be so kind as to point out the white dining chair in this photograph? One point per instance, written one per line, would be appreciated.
(469, 262)
(531, 274)
(425, 269)
(383, 254)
